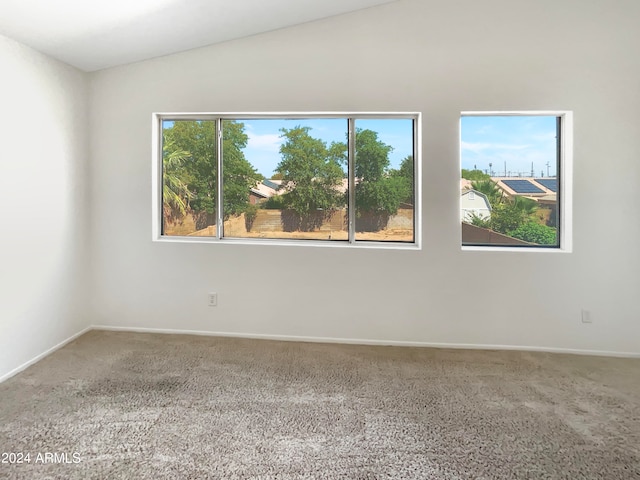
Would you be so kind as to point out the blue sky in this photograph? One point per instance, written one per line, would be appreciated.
(517, 141)
(264, 137)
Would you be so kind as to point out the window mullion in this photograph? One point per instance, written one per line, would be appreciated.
(219, 183)
(351, 156)
(559, 181)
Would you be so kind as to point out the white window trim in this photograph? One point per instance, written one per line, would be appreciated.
(565, 184)
(156, 178)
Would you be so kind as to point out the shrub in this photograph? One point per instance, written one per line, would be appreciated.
(535, 233)
(250, 214)
(275, 202)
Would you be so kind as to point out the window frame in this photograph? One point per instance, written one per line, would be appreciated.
(564, 181)
(350, 117)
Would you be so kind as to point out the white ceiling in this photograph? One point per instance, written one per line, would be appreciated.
(96, 34)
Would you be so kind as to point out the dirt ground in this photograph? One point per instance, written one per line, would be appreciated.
(235, 228)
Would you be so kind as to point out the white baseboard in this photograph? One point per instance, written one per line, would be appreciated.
(356, 341)
(43, 354)
(348, 341)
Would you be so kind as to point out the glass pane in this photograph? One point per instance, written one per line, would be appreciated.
(384, 176)
(189, 169)
(285, 178)
(509, 184)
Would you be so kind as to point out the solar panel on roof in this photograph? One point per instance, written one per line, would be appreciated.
(271, 184)
(522, 186)
(549, 183)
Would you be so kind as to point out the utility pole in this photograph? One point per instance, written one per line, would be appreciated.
(547, 169)
(490, 170)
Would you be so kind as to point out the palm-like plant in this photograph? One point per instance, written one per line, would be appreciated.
(490, 189)
(479, 221)
(525, 205)
(175, 191)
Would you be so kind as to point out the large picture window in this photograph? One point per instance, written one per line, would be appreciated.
(515, 179)
(331, 179)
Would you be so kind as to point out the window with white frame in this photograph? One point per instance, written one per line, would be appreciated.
(515, 179)
(321, 178)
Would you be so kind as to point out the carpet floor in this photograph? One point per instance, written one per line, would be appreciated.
(113, 405)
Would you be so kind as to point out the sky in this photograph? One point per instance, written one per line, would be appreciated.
(263, 147)
(514, 141)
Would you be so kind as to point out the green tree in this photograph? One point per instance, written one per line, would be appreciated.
(479, 221)
(377, 191)
(490, 189)
(200, 169)
(506, 217)
(526, 205)
(475, 175)
(534, 232)
(310, 175)
(238, 175)
(510, 214)
(405, 172)
(175, 191)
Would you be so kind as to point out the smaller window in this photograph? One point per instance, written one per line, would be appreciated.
(519, 163)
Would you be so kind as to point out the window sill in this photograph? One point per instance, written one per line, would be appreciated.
(292, 243)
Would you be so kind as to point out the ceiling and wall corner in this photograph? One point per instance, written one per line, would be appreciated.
(96, 35)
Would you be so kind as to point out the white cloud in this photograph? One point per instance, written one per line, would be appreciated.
(477, 147)
(268, 142)
(545, 137)
(474, 147)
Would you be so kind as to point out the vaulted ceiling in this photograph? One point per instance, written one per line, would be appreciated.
(96, 34)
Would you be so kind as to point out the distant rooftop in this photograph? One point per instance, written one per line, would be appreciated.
(527, 186)
(522, 186)
(548, 183)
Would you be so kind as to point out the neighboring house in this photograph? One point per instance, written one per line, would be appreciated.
(544, 191)
(474, 203)
(533, 188)
(264, 190)
(274, 184)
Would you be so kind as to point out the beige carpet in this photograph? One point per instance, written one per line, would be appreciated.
(147, 406)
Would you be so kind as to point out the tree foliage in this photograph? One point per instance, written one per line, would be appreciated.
(525, 205)
(489, 188)
(510, 214)
(378, 191)
(199, 169)
(238, 175)
(479, 220)
(474, 175)
(534, 232)
(506, 217)
(405, 173)
(310, 176)
(175, 192)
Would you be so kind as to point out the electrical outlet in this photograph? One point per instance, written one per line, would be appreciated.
(586, 316)
(213, 299)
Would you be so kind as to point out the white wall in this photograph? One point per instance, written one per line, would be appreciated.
(43, 227)
(438, 57)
